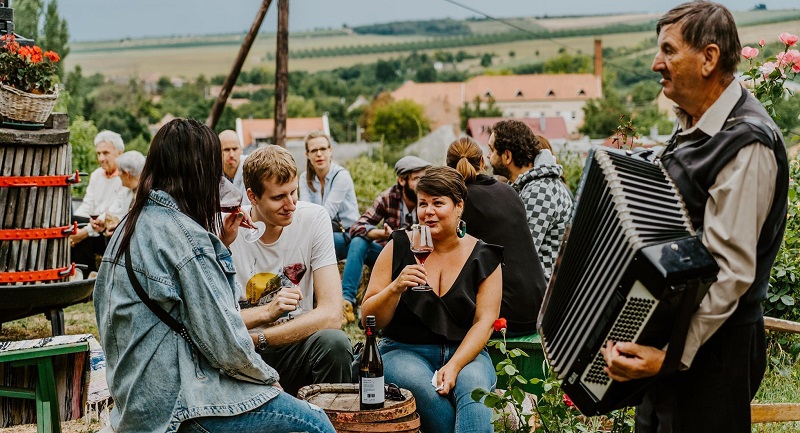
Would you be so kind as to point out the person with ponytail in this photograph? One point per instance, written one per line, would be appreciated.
(494, 213)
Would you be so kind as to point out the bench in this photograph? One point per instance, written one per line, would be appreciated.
(530, 366)
(42, 355)
(776, 412)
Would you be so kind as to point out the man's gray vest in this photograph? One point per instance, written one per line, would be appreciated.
(695, 167)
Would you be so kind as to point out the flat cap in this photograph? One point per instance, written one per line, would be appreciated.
(411, 163)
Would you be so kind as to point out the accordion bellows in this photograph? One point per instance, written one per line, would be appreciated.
(626, 264)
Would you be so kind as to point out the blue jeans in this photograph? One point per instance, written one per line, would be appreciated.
(282, 414)
(340, 245)
(362, 251)
(411, 366)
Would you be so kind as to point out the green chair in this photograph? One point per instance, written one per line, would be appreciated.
(48, 419)
(531, 366)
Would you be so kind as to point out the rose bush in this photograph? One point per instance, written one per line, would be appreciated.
(768, 74)
(27, 69)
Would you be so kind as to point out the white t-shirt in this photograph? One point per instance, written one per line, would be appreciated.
(308, 241)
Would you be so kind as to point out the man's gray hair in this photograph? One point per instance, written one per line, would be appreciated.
(131, 162)
(111, 137)
(703, 23)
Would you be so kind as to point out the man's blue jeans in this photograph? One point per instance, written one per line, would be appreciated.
(282, 414)
(340, 245)
(362, 251)
(411, 366)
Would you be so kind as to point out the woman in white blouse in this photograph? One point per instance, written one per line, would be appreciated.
(329, 185)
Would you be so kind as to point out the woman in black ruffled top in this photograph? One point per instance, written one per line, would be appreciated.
(439, 336)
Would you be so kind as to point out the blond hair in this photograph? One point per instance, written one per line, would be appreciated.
(268, 163)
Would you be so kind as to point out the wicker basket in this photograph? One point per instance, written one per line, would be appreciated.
(19, 106)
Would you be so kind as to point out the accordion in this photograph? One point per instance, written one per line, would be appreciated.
(631, 268)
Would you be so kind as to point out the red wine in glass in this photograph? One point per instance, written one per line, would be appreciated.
(421, 247)
(295, 273)
(230, 200)
(422, 255)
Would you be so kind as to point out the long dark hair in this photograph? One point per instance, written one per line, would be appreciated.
(185, 161)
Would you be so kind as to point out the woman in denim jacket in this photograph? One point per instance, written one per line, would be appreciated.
(159, 381)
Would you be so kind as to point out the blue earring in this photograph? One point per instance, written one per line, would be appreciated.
(461, 230)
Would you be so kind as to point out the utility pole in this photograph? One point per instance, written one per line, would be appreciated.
(227, 86)
(281, 73)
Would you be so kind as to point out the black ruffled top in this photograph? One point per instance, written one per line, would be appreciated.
(426, 318)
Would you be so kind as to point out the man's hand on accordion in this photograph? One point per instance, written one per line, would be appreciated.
(627, 361)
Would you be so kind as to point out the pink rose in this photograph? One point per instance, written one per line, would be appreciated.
(767, 69)
(788, 39)
(749, 53)
(793, 58)
(762, 43)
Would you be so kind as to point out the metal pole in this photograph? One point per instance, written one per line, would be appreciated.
(281, 73)
(219, 105)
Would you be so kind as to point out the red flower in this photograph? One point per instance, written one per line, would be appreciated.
(500, 324)
(568, 401)
(52, 56)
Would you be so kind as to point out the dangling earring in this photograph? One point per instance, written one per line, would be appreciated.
(461, 230)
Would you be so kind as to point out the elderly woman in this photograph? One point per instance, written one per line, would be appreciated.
(130, 165)
(440, 333)
(495, 214)
(329, 185)
(179, 357)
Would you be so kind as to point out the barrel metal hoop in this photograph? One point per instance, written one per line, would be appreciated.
(32, 276)
(34, 181)
(38, 233)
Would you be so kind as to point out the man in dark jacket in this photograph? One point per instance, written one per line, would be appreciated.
(728, 160)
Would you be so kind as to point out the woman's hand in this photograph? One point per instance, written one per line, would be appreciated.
(410, 276)
(230, 227)
(446, 378)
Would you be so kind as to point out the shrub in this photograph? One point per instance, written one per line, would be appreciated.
(370, 179)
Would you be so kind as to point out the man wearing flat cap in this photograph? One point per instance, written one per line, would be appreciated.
(395, 207)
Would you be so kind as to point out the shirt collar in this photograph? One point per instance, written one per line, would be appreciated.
(712, 121)
(162, 198)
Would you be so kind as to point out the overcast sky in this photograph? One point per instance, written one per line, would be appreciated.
(115, 19)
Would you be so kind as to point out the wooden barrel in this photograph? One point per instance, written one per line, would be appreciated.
(340, 403)
(35, 266)
(26, 154)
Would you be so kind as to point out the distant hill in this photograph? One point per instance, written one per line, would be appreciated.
(445, 27)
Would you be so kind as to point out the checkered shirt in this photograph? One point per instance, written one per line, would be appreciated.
(548, 204)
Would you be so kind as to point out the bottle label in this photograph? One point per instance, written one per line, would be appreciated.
(372, 390)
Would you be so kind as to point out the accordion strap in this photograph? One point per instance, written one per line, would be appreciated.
(682, 320)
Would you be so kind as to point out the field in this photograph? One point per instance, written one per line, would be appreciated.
(191, 56)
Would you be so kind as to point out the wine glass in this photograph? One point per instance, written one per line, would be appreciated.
(421, 247)
(230, 201)
(295, 273)
(93, 216)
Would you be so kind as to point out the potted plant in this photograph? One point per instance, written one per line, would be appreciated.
(28, 89)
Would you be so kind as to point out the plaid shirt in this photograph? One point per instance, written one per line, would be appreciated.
(387, 208)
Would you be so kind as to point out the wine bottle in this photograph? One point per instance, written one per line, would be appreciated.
(370, 371)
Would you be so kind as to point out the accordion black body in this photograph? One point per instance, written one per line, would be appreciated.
(630, 269)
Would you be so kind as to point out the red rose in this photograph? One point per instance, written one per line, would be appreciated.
(500, 324)
(568, 401)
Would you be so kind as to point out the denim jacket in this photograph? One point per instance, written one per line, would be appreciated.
(156, 378)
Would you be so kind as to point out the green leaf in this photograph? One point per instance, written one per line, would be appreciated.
(510, 370)
(787, 300)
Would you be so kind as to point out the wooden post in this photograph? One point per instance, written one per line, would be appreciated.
(281, 73)
(219, 105)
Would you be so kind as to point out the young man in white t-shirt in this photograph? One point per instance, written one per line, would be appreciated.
(301, 341)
